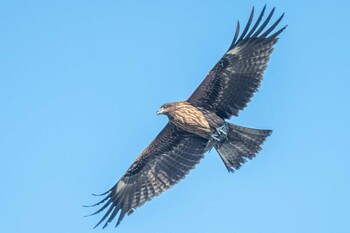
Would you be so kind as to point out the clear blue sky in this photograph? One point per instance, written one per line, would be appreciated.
(80, 82)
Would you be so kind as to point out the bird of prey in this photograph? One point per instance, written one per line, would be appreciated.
(199, 124)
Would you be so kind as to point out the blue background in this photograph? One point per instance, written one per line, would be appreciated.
(80, 82)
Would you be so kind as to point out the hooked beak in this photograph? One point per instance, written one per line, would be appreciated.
(159, 111)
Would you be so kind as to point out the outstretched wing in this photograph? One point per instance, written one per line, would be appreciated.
(167, 160)
(232, 82)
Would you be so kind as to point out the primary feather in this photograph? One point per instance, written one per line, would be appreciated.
(231, 83)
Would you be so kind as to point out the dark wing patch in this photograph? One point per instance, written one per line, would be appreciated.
(167, 160)
(232, 82)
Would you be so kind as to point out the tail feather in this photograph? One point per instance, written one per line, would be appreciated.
(241, 144)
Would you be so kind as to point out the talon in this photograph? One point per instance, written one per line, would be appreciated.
(222, 129)
(221, 132)
(215, 137)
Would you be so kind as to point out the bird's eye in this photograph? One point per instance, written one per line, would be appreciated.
(165, 106)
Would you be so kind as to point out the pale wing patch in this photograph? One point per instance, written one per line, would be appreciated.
(120, 185)
(235, 50)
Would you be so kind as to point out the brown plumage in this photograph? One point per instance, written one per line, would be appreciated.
(187, 117)
(198, 124)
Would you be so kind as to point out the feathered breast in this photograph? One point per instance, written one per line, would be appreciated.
(189, 118)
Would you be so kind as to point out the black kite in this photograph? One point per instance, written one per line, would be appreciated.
(198, 124)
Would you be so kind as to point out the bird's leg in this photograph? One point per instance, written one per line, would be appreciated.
(215, 136)
(223, 129)
(220, 132)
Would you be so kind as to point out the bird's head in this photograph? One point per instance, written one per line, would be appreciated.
(165, 108)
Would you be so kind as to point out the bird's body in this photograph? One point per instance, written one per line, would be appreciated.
(199, 124)
(195, 120)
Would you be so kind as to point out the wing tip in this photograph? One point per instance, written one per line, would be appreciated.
(256, 31)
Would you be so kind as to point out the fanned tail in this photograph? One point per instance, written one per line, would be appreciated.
(240, 144)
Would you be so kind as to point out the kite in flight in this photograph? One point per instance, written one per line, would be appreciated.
(199, 124)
